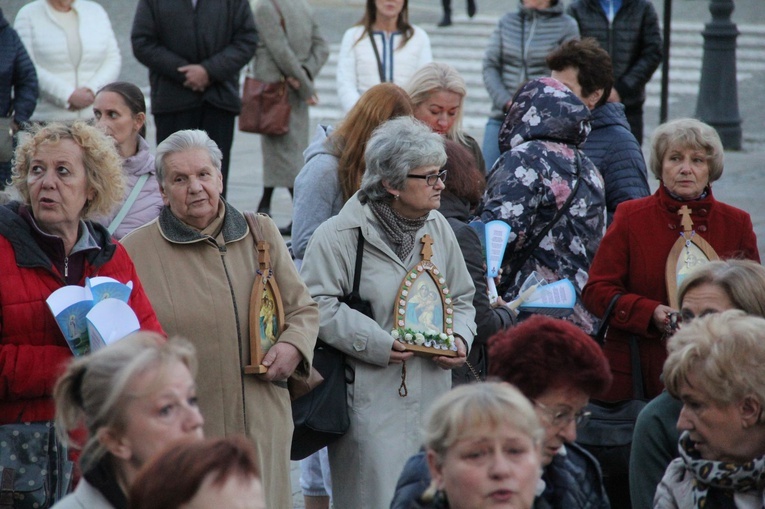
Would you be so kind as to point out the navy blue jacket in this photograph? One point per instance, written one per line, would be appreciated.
(572, 481)
(17, 75)
(613, 149)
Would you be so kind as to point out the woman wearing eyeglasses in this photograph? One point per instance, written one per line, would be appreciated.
(394, 210)
(559, 368)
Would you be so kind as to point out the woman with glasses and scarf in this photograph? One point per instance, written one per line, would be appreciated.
(395, 211)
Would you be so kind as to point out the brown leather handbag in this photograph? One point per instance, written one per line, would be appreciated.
(266, 106)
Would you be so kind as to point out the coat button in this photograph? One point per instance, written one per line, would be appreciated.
(622, 314)
(672, 226)
(702, 212)
(702, 228)
(358, 345)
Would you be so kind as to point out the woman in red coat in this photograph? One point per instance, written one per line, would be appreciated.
(686, 157)
(64, 174)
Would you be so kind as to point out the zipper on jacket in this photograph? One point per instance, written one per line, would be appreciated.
(222, 250)
(66, 268)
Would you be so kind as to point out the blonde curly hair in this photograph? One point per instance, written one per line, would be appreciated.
(103, 165)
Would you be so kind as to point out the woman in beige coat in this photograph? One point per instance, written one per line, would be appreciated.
(199, 260)
(394, 210)
(290, 47)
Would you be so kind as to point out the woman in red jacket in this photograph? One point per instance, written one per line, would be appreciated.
(686, 157)
(64, 175)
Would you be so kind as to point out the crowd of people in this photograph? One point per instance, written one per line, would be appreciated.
(456, 397)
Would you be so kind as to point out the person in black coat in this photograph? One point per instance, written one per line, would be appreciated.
(464, 186)
(18, 85)
(194, 55)
(629, 31)
(585, 68)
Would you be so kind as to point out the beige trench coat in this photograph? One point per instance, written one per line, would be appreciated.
(385, 428)
(200, 289)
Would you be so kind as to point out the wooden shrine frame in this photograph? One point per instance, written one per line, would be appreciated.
(675, 258)
(409, 290)
(265, 285)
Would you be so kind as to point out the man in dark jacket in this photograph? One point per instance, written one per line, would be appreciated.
(629, 31)
(194, 51)
(585, 68)
(18, 85)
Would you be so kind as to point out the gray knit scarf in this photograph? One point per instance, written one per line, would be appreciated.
(399, 229)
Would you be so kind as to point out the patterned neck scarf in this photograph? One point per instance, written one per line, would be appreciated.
(730, 477)
(400, 230)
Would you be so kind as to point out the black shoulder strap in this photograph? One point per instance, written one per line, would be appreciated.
(357, 269)
(517, 263)
(377, 56)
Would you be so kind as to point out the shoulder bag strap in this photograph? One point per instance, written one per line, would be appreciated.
(528, 250)
(357, 269)
(128, 204)
(379, 61)
(257, 235)
(600, 336)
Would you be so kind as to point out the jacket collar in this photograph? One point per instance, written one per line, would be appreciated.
(176, 231)
(30, 254)
(702, 205)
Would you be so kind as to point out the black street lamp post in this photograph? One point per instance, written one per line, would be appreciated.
(718, 91)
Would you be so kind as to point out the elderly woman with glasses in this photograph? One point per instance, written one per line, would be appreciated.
(395, 213)
(558, 367)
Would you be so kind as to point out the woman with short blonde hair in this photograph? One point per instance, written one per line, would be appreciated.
(715, 368)
(134, 397)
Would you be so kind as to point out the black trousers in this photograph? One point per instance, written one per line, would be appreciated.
(218, 123)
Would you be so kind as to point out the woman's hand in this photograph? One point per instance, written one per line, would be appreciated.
(294, 83)
(281, 360)
(660, 315)
(398, 353)
(81, 98)
(453, 362)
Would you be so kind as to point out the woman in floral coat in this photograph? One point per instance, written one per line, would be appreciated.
(533, 178)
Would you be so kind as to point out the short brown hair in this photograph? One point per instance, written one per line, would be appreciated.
(173, 477)
(592, 62)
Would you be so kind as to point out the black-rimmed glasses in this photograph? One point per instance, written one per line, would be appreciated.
(432, 178)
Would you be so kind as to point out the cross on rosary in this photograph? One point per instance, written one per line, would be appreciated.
(427, 249)
(687, 223)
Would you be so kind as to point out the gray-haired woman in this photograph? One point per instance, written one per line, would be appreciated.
(394, 209)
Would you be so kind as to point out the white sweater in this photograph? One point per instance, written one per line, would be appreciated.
(357, 66)
(45, 41)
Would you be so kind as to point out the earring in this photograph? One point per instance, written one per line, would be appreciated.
(395, 197)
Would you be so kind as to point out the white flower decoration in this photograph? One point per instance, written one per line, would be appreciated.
(395, 334)
(419, 339)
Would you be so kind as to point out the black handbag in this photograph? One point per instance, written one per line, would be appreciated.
(321, 416)
(607, 435)
(35, 471)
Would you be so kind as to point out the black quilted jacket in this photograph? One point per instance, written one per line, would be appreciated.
(633, 40)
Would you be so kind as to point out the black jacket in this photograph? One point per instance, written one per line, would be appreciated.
(617, 154)
(220, 35)
(633, 40)
(488, 320)
(17, 75)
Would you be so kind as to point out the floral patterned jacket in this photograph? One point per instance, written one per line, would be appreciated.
(533, 179)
